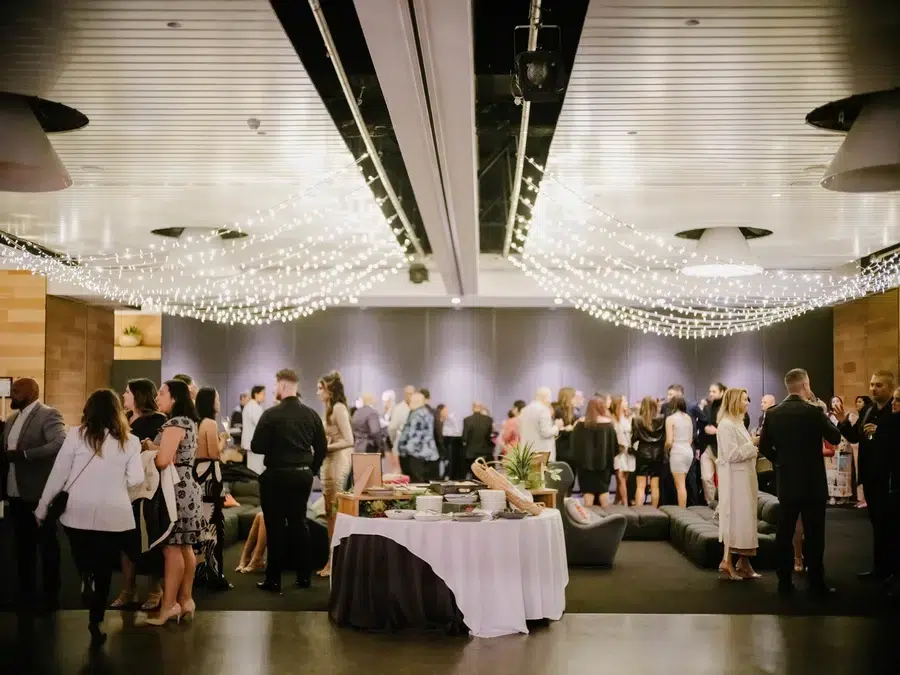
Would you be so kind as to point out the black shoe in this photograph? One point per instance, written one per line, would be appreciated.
(218, 584)
(98, 637)
(303, 583)
(873, 575)
(270, 586)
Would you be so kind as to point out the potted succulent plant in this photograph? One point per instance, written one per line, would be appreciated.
(131, 337)
(525, 468)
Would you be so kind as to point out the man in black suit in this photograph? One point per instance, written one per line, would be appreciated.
(792, 439)
(878, 442)
(476, 434)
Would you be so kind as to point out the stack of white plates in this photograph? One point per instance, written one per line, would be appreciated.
(462, 499)
(429, 503)
(492, 500)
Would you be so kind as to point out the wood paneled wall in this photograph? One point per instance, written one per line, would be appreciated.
(80, 342)
(22, 325)
(866, 339)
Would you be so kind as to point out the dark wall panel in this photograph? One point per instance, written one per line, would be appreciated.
(491, 355)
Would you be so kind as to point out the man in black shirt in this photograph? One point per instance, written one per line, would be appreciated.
(878, 441)
(291, 438)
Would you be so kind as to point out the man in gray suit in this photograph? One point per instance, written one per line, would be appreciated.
(32, 437)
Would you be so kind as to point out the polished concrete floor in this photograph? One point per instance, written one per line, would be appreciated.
(251, 643)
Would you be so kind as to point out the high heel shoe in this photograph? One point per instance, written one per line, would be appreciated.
(730, 573)
(125, 598)
(166, 615)
(241, 566)
(747, 573)
(251, 567)
(187, 611)
(799, 565)
(153, 602)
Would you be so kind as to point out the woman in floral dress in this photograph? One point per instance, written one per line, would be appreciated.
(177, 445)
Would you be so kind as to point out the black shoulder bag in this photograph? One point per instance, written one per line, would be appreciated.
(57, 505)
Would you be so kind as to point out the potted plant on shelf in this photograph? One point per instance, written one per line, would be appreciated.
(525, 468)
(131, 337)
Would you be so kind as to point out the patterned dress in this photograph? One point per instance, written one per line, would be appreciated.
(190, 525)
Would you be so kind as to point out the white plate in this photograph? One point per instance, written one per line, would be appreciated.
(471, 517)
(470, 498)
(429, 517)
(400, 514)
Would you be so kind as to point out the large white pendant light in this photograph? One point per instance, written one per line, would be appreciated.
(28, 162)
(869, 159)
(722, 252)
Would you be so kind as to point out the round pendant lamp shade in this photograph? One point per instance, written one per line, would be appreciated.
(723, 252)
(28, 162)
(869, 159)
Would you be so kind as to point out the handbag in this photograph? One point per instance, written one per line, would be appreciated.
(57, 505)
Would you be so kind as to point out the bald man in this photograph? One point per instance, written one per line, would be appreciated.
(32, 437)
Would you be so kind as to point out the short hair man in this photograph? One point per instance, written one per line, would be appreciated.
(291, 438)
(792, 438)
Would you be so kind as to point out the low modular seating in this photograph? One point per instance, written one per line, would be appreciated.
(644, 523)
(592, 544)
(694, 532)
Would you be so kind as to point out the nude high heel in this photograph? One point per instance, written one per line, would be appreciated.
(730, 573)
(187, 611)
(174, 612)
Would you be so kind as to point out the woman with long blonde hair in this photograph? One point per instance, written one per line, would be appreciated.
(564, 410)
(624, 462)
(738, 490)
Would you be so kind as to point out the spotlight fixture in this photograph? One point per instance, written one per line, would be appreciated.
(558, 301)
(541, 76)
(174, 24)
(455, 301)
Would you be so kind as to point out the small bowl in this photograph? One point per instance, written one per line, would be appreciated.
(400, 514)
(512, 515)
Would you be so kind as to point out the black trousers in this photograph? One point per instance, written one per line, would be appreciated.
(813, 514)
(96, 554)
(458, 465)
(31, 540)
(422, 471)
(878, 501)
(283, 495)
(766, 482)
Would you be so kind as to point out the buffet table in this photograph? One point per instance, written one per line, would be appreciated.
(493, 575)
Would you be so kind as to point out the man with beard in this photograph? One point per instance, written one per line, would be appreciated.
(32, 437)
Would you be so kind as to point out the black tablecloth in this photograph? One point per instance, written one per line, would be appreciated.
(378, 585)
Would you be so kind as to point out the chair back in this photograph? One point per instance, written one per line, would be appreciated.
(562, 485)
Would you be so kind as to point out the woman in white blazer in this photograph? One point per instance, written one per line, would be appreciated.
(736, 467)
(96, 465)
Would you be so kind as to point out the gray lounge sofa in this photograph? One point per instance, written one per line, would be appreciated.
(591, 545)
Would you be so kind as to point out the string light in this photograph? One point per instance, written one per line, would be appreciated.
(273, 274)
(617, 273)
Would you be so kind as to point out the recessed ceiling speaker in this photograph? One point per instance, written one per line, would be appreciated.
(869, 158)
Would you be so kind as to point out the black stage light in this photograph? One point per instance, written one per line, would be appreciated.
(418, 273)
(541, 76)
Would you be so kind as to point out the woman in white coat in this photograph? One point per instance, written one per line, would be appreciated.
(737, 486)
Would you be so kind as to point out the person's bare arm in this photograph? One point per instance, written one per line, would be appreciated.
(670, 431)
(168, 446)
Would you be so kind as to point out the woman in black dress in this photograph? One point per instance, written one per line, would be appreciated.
(139, 400)
(594, 448)
(648, 437)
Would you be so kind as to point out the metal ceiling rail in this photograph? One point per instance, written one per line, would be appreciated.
(361, 125)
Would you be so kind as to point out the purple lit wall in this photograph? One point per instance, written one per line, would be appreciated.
(491, 355)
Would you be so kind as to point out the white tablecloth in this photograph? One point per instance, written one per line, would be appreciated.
(501, 572)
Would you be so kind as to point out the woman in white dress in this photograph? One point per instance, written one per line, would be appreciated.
(736, 467)
(679, 433)
(625, 462)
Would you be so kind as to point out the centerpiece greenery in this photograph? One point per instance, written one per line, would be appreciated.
(131, 336)
(522, 467)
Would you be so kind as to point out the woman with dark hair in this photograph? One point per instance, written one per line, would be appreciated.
(139, 399)
(679, 433)
(509, 428)
(97, 463)
(564, 410)
(648, 441)
(208, 473)
(177, 447)
(336, 467)
(594, 447)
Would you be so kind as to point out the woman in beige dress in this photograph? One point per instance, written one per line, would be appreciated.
(336, 467)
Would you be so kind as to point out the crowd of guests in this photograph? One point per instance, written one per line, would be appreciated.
(139, 482)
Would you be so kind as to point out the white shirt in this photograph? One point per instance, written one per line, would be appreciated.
(252, 412)
(98, 498)
(12, 487)
(536, 427)
(399, 415)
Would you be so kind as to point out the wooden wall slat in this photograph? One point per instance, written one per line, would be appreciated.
(22, 325)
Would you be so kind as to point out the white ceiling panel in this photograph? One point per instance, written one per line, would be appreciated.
(168, 143)
(672, 127)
